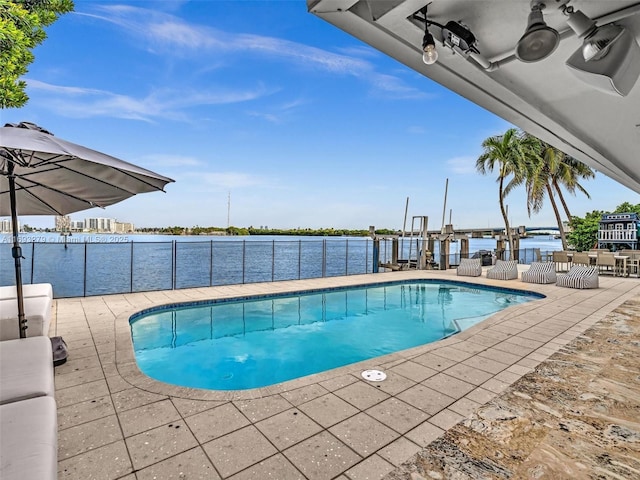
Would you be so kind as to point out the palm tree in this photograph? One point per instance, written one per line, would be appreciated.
(571, 170)
(508, 155)
(551, 168)
(545, 161)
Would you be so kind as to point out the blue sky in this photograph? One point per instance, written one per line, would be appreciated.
(302, 124)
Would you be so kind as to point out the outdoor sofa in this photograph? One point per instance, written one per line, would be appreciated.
(28, 414)
(37, 301)
(37, 311)
(540, 272)
(503, 270)
(469, 267)
(28, 291)
(579, 276)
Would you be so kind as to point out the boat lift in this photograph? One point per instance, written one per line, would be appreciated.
(420, 254)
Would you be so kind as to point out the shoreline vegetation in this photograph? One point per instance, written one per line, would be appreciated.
(244, 231)
(236, 231)
(233, 231)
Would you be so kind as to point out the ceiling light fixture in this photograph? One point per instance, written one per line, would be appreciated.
(609, 58)
(597, 40)
(429, 52)
(455, 35)
(539, 40)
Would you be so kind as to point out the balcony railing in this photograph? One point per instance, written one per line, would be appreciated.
(617, 235)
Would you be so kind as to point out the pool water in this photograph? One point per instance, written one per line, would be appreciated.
(251, 343)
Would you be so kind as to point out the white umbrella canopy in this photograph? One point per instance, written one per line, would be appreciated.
(56, 177)
(41, 174)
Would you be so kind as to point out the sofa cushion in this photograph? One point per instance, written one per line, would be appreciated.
(29, 433)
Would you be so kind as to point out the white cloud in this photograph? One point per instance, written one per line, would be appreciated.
(169, 35)
(462, 165)
(166, 103)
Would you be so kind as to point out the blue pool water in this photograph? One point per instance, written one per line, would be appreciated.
(255, 342)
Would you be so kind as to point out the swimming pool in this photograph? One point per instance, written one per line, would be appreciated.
(237, 344)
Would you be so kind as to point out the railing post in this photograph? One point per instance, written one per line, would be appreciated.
(84, 276)
(324, 257)
(244, 245)
(174, 266)
(376, 256)
(33, 254)
(346, 257)
(366, 256)
(131, 270)
(211, 264)
(273, 259)
(299, 259)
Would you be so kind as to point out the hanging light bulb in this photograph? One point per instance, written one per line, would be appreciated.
(430, 54)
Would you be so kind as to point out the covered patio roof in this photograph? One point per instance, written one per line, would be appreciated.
(545, 98)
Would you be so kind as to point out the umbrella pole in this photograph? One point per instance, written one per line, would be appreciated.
(16, 251)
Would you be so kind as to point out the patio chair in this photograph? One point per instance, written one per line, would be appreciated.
(606, 261)
(634, 264)
(469, 267)
(561, 259)
(581, 258)
(579, 276)
(537, 254)
(540, 272)
(503, 270)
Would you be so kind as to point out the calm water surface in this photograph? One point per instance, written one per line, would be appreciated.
(103, 264)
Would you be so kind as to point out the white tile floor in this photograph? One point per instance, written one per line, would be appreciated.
(114, 422)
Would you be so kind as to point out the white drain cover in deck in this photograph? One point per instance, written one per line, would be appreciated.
(374, 375)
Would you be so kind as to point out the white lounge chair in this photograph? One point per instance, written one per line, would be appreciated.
(469, 267)
(28, 291)
(540, 272)
(26, 369)
(579, 276)
(503, 270)
(29, 433)
(37, 311)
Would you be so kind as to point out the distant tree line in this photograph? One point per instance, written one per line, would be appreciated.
(316, 232)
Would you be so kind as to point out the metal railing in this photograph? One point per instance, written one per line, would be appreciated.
(86, 269)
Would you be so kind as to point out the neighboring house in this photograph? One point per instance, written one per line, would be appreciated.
(618, 231)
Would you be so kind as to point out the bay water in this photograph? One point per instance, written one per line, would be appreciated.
(96, 264)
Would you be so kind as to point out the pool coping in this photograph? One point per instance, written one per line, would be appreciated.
(128, 369)
(105, 385)
(368, 364)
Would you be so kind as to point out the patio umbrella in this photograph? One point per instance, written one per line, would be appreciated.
(44, 175)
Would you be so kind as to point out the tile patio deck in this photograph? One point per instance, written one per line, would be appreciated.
(116, 423)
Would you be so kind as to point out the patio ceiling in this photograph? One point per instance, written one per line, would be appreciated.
(543, 98)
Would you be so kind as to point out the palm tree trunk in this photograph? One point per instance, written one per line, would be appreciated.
(563, 237)
(562, 200)
(505, 217)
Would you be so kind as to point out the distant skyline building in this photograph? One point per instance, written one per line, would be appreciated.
(92, 224)
(63, 223)
(5, 226)
(124, 227)
(77, 226)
